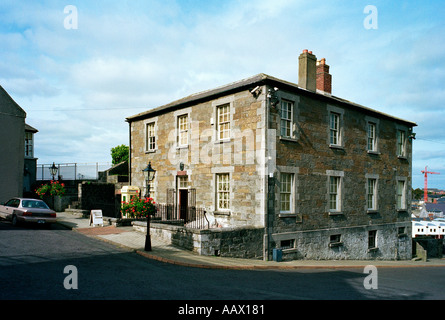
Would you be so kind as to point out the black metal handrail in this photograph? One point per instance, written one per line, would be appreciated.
(190, 216)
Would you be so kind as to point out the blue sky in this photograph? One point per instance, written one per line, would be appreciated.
(78, 85)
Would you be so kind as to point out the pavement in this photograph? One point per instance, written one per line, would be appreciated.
(134, 240)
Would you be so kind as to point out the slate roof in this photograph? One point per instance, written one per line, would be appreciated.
(435, 207)
(251, 83)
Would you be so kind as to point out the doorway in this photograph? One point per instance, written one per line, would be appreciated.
(183, 204)
(182, 192)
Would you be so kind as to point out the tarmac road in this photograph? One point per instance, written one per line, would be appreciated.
(33, 261)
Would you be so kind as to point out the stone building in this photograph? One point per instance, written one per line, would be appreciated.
(316, 176)
(12, 146)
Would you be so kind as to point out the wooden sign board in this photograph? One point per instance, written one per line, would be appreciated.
(96, 218)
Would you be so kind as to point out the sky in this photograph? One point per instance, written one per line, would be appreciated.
(79, 68)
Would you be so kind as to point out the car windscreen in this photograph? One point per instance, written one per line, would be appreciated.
(34, 204)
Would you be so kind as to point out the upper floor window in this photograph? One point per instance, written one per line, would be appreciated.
(401, 143)
(372, 138)
(29, 145)
(183, 128)
(286, 113)
(223, 118)
(150, 143)
(334, 129)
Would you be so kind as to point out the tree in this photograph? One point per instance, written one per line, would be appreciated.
(120, 154)
(417, 194)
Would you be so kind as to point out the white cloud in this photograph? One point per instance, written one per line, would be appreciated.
(142, 54)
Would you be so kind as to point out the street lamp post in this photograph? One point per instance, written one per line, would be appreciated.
(149, 174)
(53, 170)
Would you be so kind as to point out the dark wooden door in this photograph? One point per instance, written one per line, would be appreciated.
(183, 204)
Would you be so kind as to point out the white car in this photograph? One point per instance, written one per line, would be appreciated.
(27, 210)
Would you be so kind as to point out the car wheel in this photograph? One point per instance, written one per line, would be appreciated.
(15, 222)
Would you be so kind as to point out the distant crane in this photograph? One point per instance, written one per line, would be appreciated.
(425, 187)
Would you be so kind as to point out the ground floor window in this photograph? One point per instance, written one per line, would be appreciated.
(401, 194)
(286, 186)
(287, 244)
(334, 193)
(372, 194)
(372, 239)
(223, 191)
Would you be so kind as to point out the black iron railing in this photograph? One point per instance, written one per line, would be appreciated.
(190, 216)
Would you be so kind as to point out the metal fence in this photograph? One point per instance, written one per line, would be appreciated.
(72, 171)
(191, 217)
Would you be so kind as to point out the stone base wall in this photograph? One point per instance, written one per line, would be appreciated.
(226, 242)
(353, 245)
(311, 245)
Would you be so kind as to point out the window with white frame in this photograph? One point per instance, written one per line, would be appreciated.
(401, 191)
(372, 194)
(222, 191)
(286, 114)
(401, 143)
(150, 143)
(372, 139)
(286, 194)
(334, 194)
(334, 129)
(183, 182)
(29, 145)
(223, 118)
(183, 129)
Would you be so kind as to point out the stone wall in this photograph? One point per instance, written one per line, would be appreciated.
(226, 242)
(241, 156)
(311, 158)
(353, 244)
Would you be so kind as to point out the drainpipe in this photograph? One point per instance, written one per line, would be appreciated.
(129, 156)
(270, 152)
(268, 181)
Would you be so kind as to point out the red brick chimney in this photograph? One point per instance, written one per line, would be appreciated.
(324, 79)
(307, 70)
